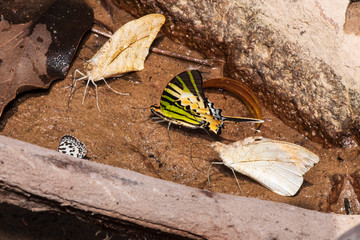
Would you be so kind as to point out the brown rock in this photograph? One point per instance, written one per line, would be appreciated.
(352, 21)
(294, 55)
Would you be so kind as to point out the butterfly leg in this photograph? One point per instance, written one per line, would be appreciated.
(160, 121)
(96, 95)
(74, 81)
(168, 128)
(209, 170)
(86, 87)
(237, 181)
(191, 158)
(208, 133)
(114, 89)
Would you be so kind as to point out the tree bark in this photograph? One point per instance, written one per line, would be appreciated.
(44, 180)
(294, 55)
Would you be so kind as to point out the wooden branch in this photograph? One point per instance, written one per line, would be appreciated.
(41, 180)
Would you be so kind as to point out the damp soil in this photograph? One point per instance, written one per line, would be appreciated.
(125, 135)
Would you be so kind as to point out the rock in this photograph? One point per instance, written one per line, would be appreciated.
(294, 55)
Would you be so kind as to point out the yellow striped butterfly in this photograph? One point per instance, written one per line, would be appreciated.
(183, 103)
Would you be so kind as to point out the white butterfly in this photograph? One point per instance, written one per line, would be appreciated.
(277, 165)
(124, 52)
(72, 146)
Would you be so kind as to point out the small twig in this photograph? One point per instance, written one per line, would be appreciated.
(102, 33)
(206, 62)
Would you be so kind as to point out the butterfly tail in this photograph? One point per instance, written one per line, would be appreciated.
(242, 119)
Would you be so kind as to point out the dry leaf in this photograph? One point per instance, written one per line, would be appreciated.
(240, 91)
(37, 42)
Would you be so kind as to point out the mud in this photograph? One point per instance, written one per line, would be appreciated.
(124, 134)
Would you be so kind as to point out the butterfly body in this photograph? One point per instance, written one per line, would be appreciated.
(183, 103)
(278, 165)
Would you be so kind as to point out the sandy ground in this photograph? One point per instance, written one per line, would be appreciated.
(124, 135)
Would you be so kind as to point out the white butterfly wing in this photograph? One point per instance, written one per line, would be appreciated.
(300, 156)
(282, 178)
(277, 165)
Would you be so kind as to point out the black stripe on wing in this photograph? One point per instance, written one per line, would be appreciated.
(192, 80)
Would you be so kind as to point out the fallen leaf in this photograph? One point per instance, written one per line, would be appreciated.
(37, 43)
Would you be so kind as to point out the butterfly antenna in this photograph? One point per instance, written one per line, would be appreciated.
(114, 89)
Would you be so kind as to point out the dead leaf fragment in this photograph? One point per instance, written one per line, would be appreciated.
(38, 42)
(240, 91)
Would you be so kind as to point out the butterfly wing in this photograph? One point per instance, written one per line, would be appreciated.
(281, 178)
(127, 49)
(277, 165)
(183, 101)
(70, 145)
(187, 85)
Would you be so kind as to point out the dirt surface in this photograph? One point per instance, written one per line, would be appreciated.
(124, 135)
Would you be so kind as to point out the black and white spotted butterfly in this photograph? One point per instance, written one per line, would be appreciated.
(71, 146)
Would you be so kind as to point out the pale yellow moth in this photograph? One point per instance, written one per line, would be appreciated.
(124, 52)
(277, 165)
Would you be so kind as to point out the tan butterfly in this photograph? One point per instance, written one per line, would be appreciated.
(124, 52)
(277, 165)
